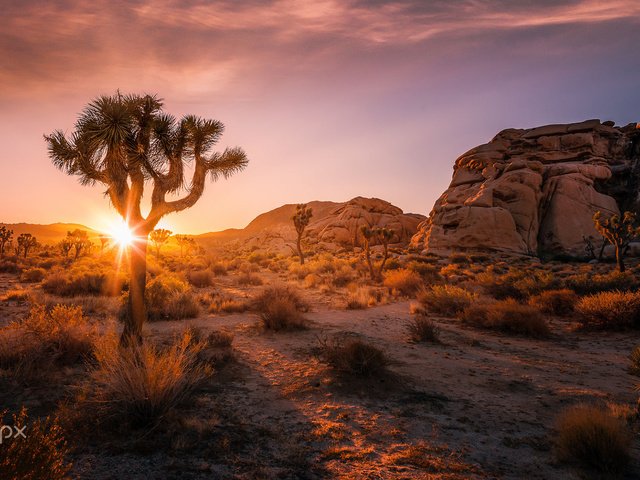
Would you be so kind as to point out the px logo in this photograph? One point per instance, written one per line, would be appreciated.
(7, 431)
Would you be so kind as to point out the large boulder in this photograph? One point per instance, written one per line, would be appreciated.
(535, 191)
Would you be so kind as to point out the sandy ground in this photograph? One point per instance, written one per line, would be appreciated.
(480, 405)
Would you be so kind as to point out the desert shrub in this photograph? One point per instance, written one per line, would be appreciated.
(555, 302)
(427, 271)
(219, 269)
(16, 295)
(90, 305)
(220, 339)
(227, 306)
(342, 277)
(139, 385)
(393, 264)
(81, 282)
(60, 336)
(280, 309)
(38, 456)
(634, 366)
(249, 279)
(200, 278)
(9, 266)
(585, 284)
(516, 284)
(592, 437)
(353, 356)
(507, 316)
(459, 258)
(609, 310)
(447, 300)
(169, 298)
(358, 299)
(404, 281)
(257, 257)
(33, 275)
(422, 329)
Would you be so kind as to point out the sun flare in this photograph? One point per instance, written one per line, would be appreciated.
(122, 235)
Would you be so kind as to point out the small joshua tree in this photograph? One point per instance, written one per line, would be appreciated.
(130, 145)
(26, 242)
(300, 220)
(79, 240)
(619, 232)
(104, 241)
(159, 237)
(65, 245)
(5, 239)
(367, 237)
(186, 244)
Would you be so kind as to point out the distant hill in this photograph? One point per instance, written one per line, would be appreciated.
(47, 234)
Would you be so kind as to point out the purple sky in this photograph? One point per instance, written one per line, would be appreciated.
(330, 99)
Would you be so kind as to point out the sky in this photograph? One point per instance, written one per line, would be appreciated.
(330, 99)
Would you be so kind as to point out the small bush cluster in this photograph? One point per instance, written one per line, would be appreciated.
(280, 308)
(33, 275)
(404, 281)
(200, 278)
(507, 316)
(422, 329)
(39, 456)
(447, 300)
(169, 298)
(85, 282)
(555, 302)
(354, 357)
(585, 284)
(609, 310)
(593, 438)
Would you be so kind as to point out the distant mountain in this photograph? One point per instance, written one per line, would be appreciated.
(47, 234)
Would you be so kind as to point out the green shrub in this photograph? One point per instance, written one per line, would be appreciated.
(507, 316)
(609, 310)
(593, 438)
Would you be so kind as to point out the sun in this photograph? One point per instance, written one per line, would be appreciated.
(122, 235)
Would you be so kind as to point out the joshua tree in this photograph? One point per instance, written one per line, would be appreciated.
(367, 236)
(159, 237)
(104, 241)
(79, 240)
(300, 220)
(185, 243)
(26, 242)
(385, 235)
(128, 144)
(5, 238)
(618, 231)
(65, 246)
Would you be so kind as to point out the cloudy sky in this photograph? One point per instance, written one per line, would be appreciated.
(331, 99)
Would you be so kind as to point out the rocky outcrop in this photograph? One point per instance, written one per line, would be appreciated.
(333, 226)
(535, 191)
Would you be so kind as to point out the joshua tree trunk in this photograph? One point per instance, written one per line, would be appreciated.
(299, 245)
(619, 260)
(137, 311)
(367, 253)
(384, 260)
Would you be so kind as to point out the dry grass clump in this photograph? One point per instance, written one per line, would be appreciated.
(609, 310)
(280, 308)
(227, 305)
(38, 456)
(219, 269)
(16, 295)
(422, 329)
(429, 272)
(586, 284)
(507, 316)
(354, 357)
(592, 437)
(81, 282)
(404, 281)
(342, 276)
(555, 302)
(60, 336)
(447, 300)
(248, 278)
(139, 385)
(169, 298)
(516, 284)
(358, 299)
(33, 275)
(200, 278)
(9, 266)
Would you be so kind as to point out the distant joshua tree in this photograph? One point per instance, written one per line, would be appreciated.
(127, 143)
(65, 245)
(619, 232)
(5, 239)
(104, 241)
(26, 242)
(300, 220)
(186, 244)
(384, 235)
(79, 240)
(159, 237)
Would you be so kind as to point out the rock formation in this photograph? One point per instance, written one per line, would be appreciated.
(535, 191)
(332, 227)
